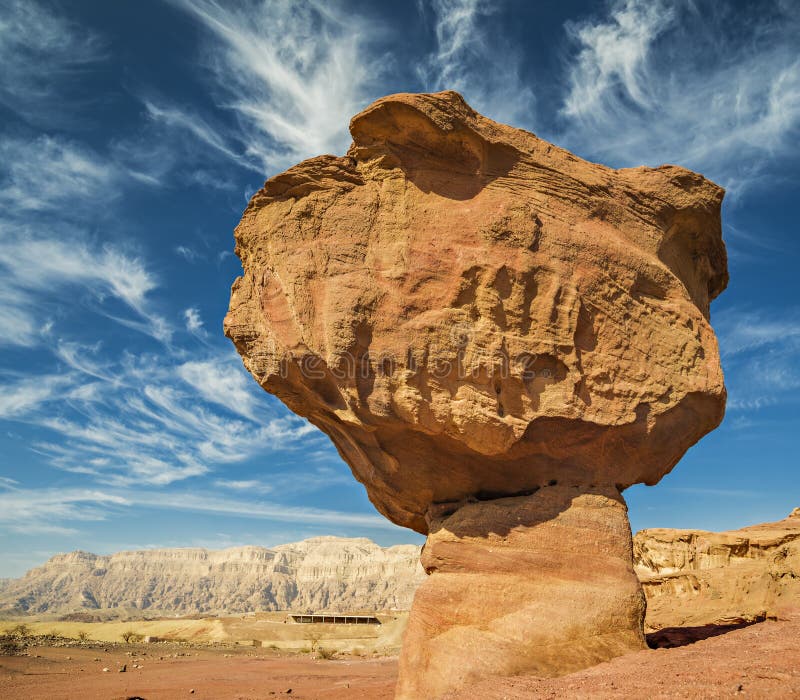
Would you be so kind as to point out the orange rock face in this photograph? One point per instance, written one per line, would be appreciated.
(694, 578)
(541, 584)
(471, 313)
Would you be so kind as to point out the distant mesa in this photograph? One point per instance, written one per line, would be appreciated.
(318, 574)
(694, 580)
(498, 337)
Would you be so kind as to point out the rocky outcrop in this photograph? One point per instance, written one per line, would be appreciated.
(695, 578)
(473, 314)
(322, 573)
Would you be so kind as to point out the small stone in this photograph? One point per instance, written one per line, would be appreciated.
(105, 670)
(123, 668)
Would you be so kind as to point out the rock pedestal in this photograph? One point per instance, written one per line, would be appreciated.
(540, 584)
(472, 314)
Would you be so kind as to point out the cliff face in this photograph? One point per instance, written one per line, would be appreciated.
(693, 577)
(323, 573)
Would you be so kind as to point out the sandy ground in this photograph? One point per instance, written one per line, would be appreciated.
(70, 673)
(760, 661)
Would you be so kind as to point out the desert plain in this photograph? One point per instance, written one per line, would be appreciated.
(758, 661)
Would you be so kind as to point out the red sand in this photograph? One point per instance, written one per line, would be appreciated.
(761, 661)
(212, 675)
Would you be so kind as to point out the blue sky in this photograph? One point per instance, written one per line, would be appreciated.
(133, 134)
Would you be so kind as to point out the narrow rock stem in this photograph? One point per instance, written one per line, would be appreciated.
(540, 584)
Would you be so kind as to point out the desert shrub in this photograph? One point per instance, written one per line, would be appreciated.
(323, 653)
(83, 635)
(9, 646)
(20, 630)
(305, 650)
(131, 637)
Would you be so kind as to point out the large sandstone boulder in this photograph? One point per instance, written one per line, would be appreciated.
(474, 315)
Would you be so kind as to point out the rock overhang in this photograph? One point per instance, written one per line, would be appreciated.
(466, 309)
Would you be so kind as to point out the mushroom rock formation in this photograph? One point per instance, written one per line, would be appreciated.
(498, 337)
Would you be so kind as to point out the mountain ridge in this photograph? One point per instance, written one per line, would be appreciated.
(320, 573)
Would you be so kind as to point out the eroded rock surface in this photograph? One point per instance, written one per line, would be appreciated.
(471, 314)
(694, 578)
(466, 308)
(541, 585)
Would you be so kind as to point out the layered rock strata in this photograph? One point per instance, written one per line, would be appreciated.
(473, 314)
(322, 573)
(542, 585)
(695, 578)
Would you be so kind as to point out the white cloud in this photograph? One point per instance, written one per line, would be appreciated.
(47, 173)
(145, 419)
(36, 268)
(294, 74)
(41, 52)
(612, 64)
(18, 397)
(9, 484)
(760, 354)
(39, 511)
(685, 83)
(175, 117)
(187, 253)
(222, 382)
(194, 324)
(50, 511)
(467, 60)
(741, 331)
(262, 510)
(247, 485)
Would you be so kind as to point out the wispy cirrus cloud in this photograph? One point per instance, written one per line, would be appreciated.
(37, 268)
(42, 52)
(62, 511)
(744, 331)
(22, 394)
(292, 73)
(687, 83)
(44, 511)
(760, 351)
(47, 173)
(194, 323)
(194, 124)
(262, 510)
(466, 59)
(285, 482)
(221, 382)
(147, 419)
